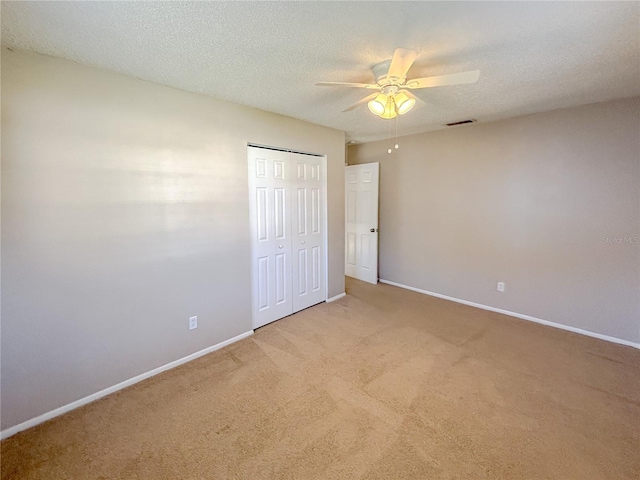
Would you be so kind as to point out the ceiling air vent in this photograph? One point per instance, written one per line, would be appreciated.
(463, 122)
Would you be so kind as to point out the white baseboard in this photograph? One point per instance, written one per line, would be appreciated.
(337, 297)
(519, 315)
(102, 393)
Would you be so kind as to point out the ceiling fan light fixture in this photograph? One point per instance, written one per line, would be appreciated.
(378, 104)
(404, 102)
(389, 109)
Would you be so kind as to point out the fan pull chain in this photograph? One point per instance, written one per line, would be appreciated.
(389, 149)
(396, 146)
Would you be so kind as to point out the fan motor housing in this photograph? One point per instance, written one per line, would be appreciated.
(380, 70)
(390, 89)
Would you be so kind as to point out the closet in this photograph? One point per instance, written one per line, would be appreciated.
(288, 248)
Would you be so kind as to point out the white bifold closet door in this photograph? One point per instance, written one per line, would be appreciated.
(307, 230)
(286, 202)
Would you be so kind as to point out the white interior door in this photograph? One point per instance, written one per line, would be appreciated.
(361, 203)
(287, 209)
(307, 230)
(270, 213)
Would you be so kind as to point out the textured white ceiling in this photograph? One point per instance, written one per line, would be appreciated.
(533, 56)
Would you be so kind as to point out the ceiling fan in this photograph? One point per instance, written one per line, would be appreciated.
(392, 96)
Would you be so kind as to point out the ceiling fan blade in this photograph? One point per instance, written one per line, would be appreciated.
(361, 102)
(347, 84)
(401, 62)
(443, 80)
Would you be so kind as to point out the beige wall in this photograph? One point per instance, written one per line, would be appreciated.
(526, 201)
(124, 212)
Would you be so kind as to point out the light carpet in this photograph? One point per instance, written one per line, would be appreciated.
(382, 384)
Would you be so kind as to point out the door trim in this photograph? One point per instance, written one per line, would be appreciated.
(278, 149)
(325, 185)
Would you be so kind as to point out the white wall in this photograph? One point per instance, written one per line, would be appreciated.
(124, 212)
(526, 201)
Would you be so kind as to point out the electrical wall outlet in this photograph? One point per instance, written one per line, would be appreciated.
(193, 323)
(500, 287)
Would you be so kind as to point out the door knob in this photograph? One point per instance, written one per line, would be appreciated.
(303, 242)
(280, 246)
(372, 230)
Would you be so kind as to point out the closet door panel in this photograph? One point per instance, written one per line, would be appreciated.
(308, 230)
(270, 216)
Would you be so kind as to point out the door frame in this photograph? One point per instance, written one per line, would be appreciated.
(325, 209)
